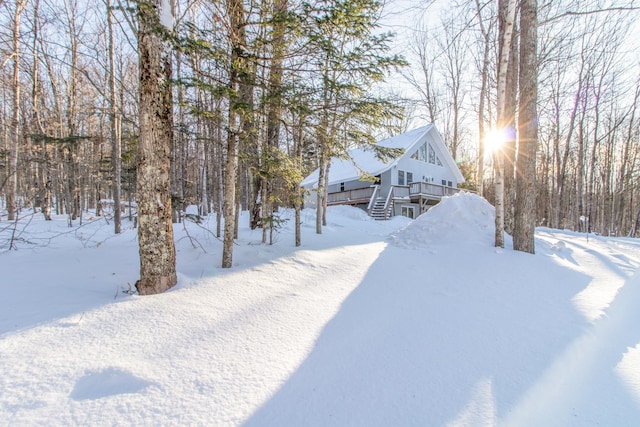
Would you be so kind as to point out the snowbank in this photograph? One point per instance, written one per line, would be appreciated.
(464, 217)
(348, 212)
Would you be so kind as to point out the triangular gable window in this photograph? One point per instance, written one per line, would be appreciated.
(427, 154)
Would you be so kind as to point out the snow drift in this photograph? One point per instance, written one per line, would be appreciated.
(464, 217)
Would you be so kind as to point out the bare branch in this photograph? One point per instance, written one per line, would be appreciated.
(590, 12)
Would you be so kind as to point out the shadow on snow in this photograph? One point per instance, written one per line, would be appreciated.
(423, 344)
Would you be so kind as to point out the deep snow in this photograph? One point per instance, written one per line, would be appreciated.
(372, 323)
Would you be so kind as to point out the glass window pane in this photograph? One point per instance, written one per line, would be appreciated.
(432, 155)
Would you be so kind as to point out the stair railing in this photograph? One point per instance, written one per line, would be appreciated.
(374, 196)
(387, 203)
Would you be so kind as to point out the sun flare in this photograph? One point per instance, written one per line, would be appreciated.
(494, 140)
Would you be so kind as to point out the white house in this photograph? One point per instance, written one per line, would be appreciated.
(407, 185)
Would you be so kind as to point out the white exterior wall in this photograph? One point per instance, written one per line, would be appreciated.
(386, 181)
(310, 199)
(423, 170)
(350, 185)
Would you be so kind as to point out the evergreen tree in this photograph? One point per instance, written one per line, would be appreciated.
(348, 59)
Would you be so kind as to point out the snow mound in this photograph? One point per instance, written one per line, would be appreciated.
(461, 218)
(349, 212)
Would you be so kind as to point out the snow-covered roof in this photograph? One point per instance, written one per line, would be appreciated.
(364, 160)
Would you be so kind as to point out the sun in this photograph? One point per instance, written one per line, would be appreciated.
(494, 140)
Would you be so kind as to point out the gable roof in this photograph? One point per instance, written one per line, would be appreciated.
(364, 160)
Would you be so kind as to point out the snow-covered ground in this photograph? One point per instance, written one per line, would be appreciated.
(372, 323)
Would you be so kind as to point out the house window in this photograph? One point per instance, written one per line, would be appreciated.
(342, 186)
(400, 177)
(450, 184)
(408, 211)
(423, 152)
(427, 154)
(432, 155)
(444, 182)
(409, 177)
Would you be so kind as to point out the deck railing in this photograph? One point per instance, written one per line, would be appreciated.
(432, 189)
(369, 194)
(359, 195)
(400, 191)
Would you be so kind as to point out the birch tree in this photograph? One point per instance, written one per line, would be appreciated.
(503, 65)
(486, 28)
(115, 122)
(239, 121)
(12, 170)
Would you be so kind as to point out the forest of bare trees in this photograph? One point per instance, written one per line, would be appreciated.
(263, 92)
(588, 81)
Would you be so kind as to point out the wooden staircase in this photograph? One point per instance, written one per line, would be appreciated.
(378, 211)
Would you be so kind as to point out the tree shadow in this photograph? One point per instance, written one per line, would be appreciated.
(63, 280)
(422, 338)
(595, 380)
(81, 269)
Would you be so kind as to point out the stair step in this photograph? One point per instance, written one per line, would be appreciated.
(378, 211)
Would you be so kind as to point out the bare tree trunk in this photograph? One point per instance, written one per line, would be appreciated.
(177, 149)
(44, 185)
(201, 146)
(155, 229)
(505, 35)
(580, 196)
(562, 161)
(325, 199)
(116, 147)
(423, 46)
(525, 208)
(483, 97)
(509, 147)
(241, 100)
(298, 198)
(220, 173)
(230, 193)
(321, 195)
(274, 107)
(12, 172)
(452, 47)
(624, 176)
(73, 179)
(591, 184)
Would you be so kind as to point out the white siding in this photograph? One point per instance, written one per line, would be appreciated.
(424, 171)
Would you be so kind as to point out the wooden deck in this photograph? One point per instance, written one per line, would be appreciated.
(413, 191)
(417, 189)
(351, 197)
(423, 194)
